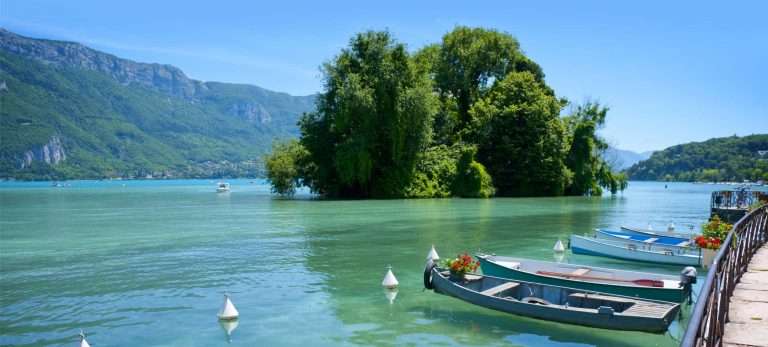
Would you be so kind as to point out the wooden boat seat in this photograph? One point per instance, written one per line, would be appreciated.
(580, 272)
(651, 240)
(500, 288)
(603, 298)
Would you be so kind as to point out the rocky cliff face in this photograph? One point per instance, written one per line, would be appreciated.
(250, 111)
(164, 78)
(51, 153)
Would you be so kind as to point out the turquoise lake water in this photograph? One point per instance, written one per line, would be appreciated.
(145, 263)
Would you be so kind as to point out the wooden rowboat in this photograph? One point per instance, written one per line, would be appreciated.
(661, 241)
(553, 303)
(641, 231)
(590, 278)
(629, 251)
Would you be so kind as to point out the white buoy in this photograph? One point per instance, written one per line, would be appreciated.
(389, 279)
(671, 226)
(228, 326)
(558, 257)
(391, 294)
(559, 247)
(227, 310)
(83, 342)
(433, 255)
(649, 226)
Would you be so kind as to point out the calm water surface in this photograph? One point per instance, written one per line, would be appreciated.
(145, 263)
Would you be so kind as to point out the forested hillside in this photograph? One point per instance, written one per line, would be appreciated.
(730, 159)
(67, 112)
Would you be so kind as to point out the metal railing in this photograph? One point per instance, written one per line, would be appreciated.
(710, 314)
(736, 199)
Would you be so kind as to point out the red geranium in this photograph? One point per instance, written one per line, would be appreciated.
(462, 264)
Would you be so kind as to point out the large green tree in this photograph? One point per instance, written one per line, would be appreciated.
(590, 172)
(520, 137)
(467, 62)
(285, 166)
(371, 121)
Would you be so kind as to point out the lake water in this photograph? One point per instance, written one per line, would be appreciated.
(145, 263)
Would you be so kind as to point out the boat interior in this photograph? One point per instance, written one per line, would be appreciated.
(535, 293)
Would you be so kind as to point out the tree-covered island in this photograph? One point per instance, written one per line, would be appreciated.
(470, 116)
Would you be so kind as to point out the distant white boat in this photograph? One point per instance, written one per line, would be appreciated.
(222, 187)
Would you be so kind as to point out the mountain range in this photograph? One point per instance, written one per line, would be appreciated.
(68, 111)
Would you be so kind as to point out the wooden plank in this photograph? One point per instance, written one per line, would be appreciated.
(580, 272)
(602, 297)
(500, 288)
(651, 240)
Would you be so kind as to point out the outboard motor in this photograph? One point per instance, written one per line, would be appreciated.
(687, 279)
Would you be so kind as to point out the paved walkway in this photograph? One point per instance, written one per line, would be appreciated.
(748, 313)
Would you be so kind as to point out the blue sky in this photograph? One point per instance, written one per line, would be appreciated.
(670, 71)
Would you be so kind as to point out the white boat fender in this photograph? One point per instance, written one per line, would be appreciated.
(559, 247)
(428, 275)
(433, 254)
(389, 282)
(83, 342)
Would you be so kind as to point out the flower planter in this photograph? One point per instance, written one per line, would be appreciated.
(456, 277)
(707, 256)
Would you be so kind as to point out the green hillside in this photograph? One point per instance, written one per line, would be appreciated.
(60, 121)
(716, 160)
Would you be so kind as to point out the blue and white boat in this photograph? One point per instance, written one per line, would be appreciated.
(646, 239)
(629, 251)
(657, 233)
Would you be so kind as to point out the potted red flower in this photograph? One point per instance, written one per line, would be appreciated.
(460, 266)
(713, 235)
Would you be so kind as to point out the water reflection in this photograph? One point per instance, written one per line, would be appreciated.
(228, 326)
(390, 294)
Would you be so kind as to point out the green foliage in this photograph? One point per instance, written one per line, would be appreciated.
(467, 63)
(520, 137)
(113, 130)
(284, 166)
(471, 181)
(371, 122)
(585, 158)
(721, 159)
(435, 172)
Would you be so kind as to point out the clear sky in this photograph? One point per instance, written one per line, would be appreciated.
(670, 71)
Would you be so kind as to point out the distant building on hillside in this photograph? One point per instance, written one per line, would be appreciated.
(762, 154)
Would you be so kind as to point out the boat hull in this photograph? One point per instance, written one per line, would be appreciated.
(589, 246)
(492, 268)
(651, 242)
(641, 231)
(554, 312)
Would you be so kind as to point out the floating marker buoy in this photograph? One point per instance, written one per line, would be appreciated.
(228, 326)
(671, 226)
(227, 310)
(432, 254)
(391, 294)
(649, 226)
(83, 342)
(389, 279)
(559, 247)
(559, 257)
